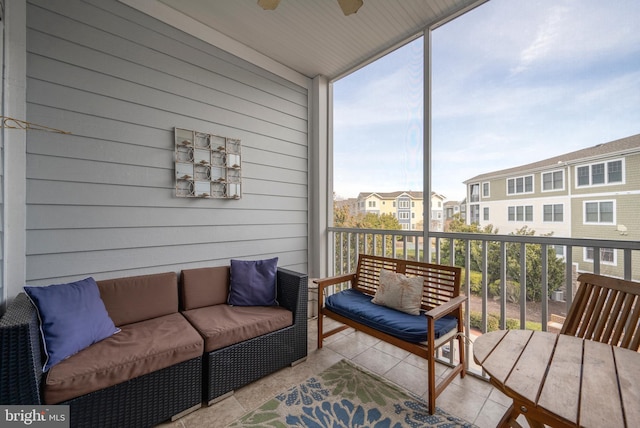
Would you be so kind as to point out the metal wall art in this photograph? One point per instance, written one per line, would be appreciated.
(207, 165)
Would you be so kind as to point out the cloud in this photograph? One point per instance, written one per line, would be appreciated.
(545, 40)
(514, 82)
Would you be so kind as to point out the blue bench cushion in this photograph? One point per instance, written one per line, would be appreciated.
(357, 306)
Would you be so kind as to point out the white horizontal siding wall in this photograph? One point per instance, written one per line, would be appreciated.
(100, 201)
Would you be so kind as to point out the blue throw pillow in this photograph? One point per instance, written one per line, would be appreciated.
(253, 283)
(72, 317)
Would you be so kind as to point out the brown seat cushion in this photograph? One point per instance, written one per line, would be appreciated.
(224, 325)
(140, 348)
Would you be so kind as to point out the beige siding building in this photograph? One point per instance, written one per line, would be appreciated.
(407, 207)
(589, 193)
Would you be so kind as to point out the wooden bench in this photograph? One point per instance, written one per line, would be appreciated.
(440, 297)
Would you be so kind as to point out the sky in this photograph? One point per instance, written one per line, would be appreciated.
(514, 82)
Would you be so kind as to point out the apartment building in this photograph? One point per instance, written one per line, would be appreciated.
(406, 206)
(452, 208)
(589, 193)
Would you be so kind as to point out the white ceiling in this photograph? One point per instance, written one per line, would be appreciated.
(313, 37)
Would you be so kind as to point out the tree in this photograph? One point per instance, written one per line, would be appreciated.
(365, 243)
(533, 260)
(457, 224)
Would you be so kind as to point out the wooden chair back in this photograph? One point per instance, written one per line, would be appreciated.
(606, 310)
(441, 283)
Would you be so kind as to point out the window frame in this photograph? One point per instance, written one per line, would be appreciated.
(599, 222)
(520, 213)
(524, 185)
(606, 173)
(474, 217)
(553, 213)
(585, 256)
(487, 185)
(473, 198)
(553, 188)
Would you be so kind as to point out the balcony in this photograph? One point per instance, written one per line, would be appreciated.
(89, 165)
(471, 398)
(494, 304)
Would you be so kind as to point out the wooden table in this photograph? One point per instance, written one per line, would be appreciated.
(560, 380)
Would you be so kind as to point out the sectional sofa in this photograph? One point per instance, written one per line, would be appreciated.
(175, 343)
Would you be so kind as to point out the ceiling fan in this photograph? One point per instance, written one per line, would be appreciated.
(348, 6)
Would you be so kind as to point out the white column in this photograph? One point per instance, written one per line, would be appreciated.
(320, 173)
(426, 146)
(14, 104)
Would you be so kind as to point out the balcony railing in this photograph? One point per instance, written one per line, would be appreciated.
(491, 302)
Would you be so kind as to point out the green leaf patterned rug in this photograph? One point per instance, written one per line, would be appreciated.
(346, 395)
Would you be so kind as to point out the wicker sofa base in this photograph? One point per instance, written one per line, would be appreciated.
(141, 402)
(232, 367)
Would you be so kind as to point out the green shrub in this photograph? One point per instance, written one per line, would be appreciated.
(476, 282)
(493, 322)
(494, 288)
(513, 290)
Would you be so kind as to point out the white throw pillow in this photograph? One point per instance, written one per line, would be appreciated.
(399, 292)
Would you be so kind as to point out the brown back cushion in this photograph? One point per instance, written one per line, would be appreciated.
(138, 298)
(204, 287)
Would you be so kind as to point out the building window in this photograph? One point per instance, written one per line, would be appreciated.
(553, 212)
(413, 215)
(583, 176)
(520, 213)
(519, 185)
(485, 213)
(474, 193)
(599, 212)
(607, 255)
(614, 172)
(413, 204)
(560, 250)
(485, 190)
(600, 173)
(403, 215)
(474, 213)
(403, 204)
(372, 204)
(552, 181)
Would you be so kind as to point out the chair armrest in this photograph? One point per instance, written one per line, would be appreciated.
(333, 280)
(20, 353)
(293, 293)
(446, 308)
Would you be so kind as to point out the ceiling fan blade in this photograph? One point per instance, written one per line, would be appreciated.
(268, 4)
(349, 6)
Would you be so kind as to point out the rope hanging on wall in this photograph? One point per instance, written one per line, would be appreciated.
(11, 123)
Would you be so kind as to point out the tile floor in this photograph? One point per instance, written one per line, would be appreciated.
(470, 398)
